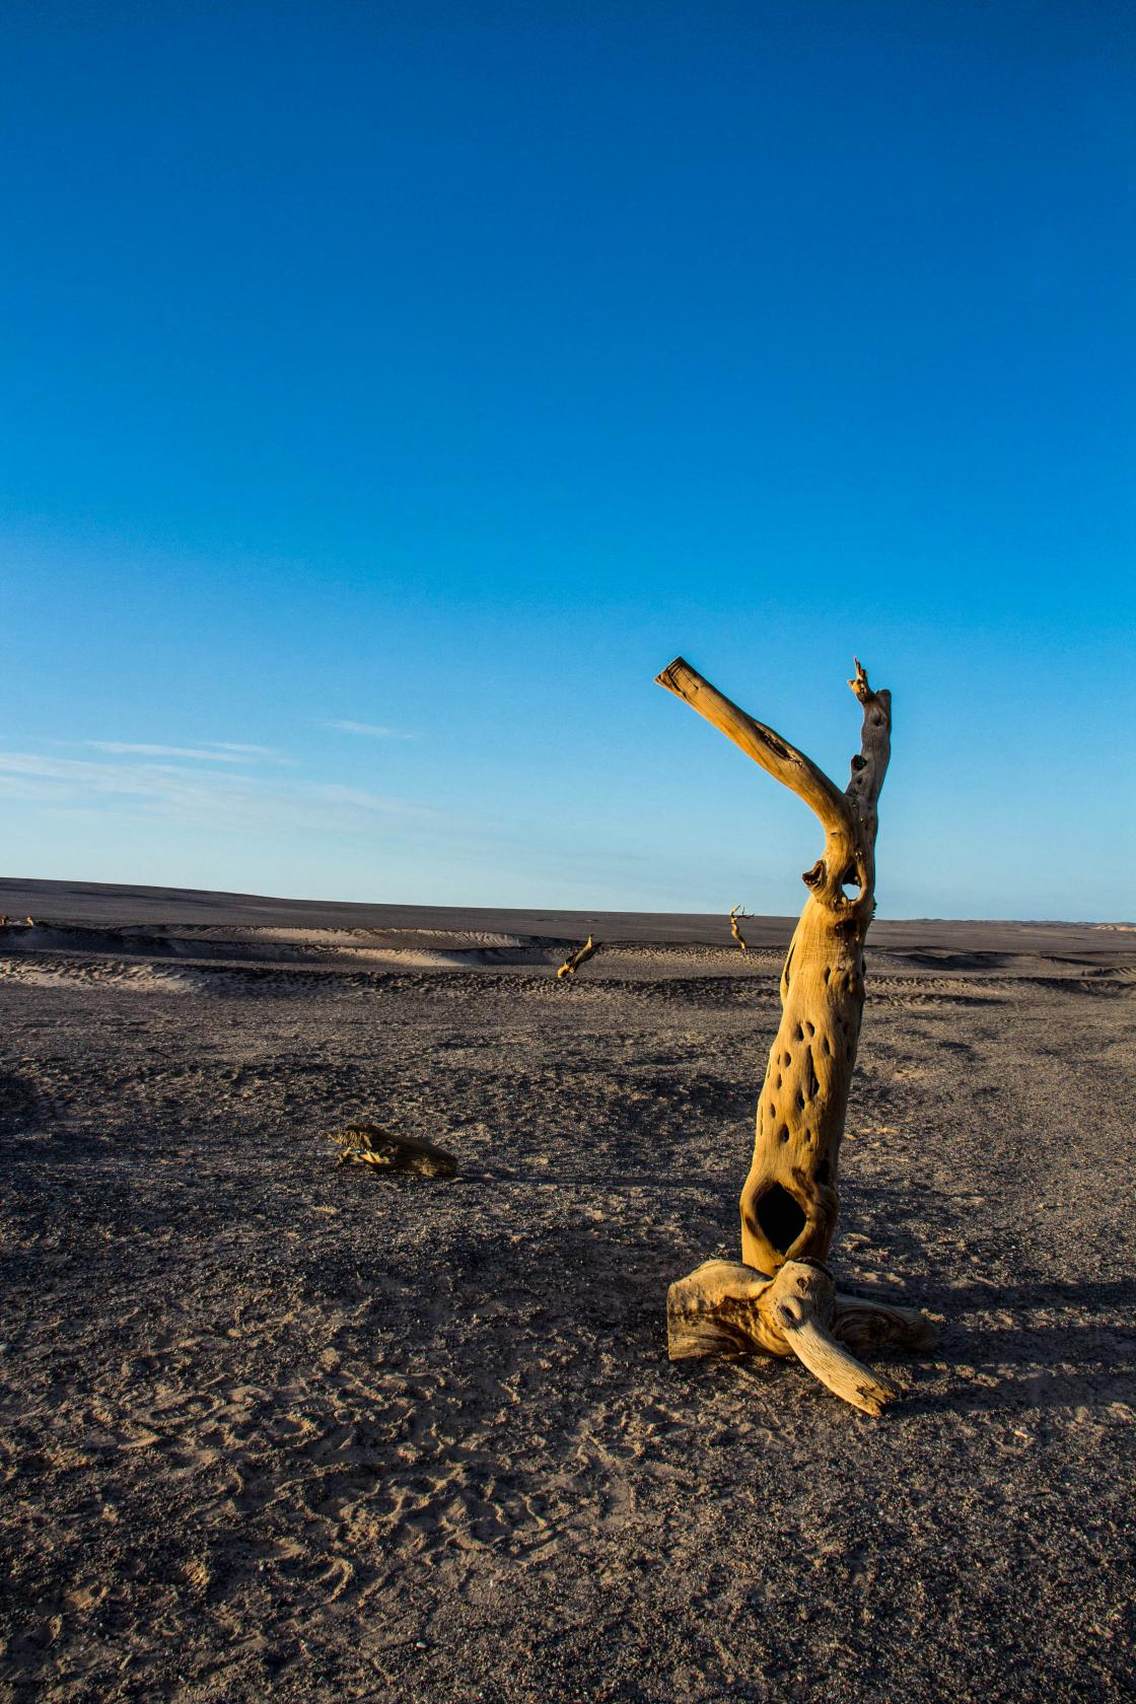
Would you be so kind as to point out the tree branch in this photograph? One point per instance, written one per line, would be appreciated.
(870, 766)
(774, 754)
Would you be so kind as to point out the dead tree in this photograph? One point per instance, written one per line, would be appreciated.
(789, 1199)
(736, 913)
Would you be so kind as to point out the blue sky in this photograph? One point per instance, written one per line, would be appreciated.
(391, 391)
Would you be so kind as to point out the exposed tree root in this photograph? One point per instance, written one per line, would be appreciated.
(724, 1308)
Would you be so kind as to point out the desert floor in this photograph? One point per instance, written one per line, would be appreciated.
(276, 1428)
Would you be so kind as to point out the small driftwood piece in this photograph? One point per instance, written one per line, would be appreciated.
(367, 1145)
(789, 1200)
(736, 913)
(581, 956)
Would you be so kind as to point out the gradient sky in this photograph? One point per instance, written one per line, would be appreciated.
(392, 390)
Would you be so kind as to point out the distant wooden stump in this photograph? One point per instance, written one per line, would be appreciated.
(574, 960)
(367, 1145)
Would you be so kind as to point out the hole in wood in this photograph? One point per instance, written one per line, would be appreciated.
(850, 884)
(780, 1217)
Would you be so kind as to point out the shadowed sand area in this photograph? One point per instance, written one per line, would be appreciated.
(271, 1427)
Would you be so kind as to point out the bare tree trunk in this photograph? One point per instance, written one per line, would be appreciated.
(789, 1201)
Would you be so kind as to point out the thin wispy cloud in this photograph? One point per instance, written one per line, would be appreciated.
(202, 754)
(215, 798)
(243, 750)
(372, 730)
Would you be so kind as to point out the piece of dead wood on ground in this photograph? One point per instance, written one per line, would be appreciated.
(581, 956)
(368, 1145)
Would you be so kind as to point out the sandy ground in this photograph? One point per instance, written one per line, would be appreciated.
(271, 1428)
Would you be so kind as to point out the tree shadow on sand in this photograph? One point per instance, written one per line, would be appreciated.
(1079, 1356)
(614, 1276)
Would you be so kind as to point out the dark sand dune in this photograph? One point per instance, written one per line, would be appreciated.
(96, 903)
(272, 1428)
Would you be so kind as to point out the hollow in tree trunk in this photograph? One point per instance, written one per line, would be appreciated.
(789, 1200)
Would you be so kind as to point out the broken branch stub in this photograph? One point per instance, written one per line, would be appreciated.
(789, 1200)
(574, 960)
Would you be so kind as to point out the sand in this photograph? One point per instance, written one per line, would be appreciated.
(276, 1428)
